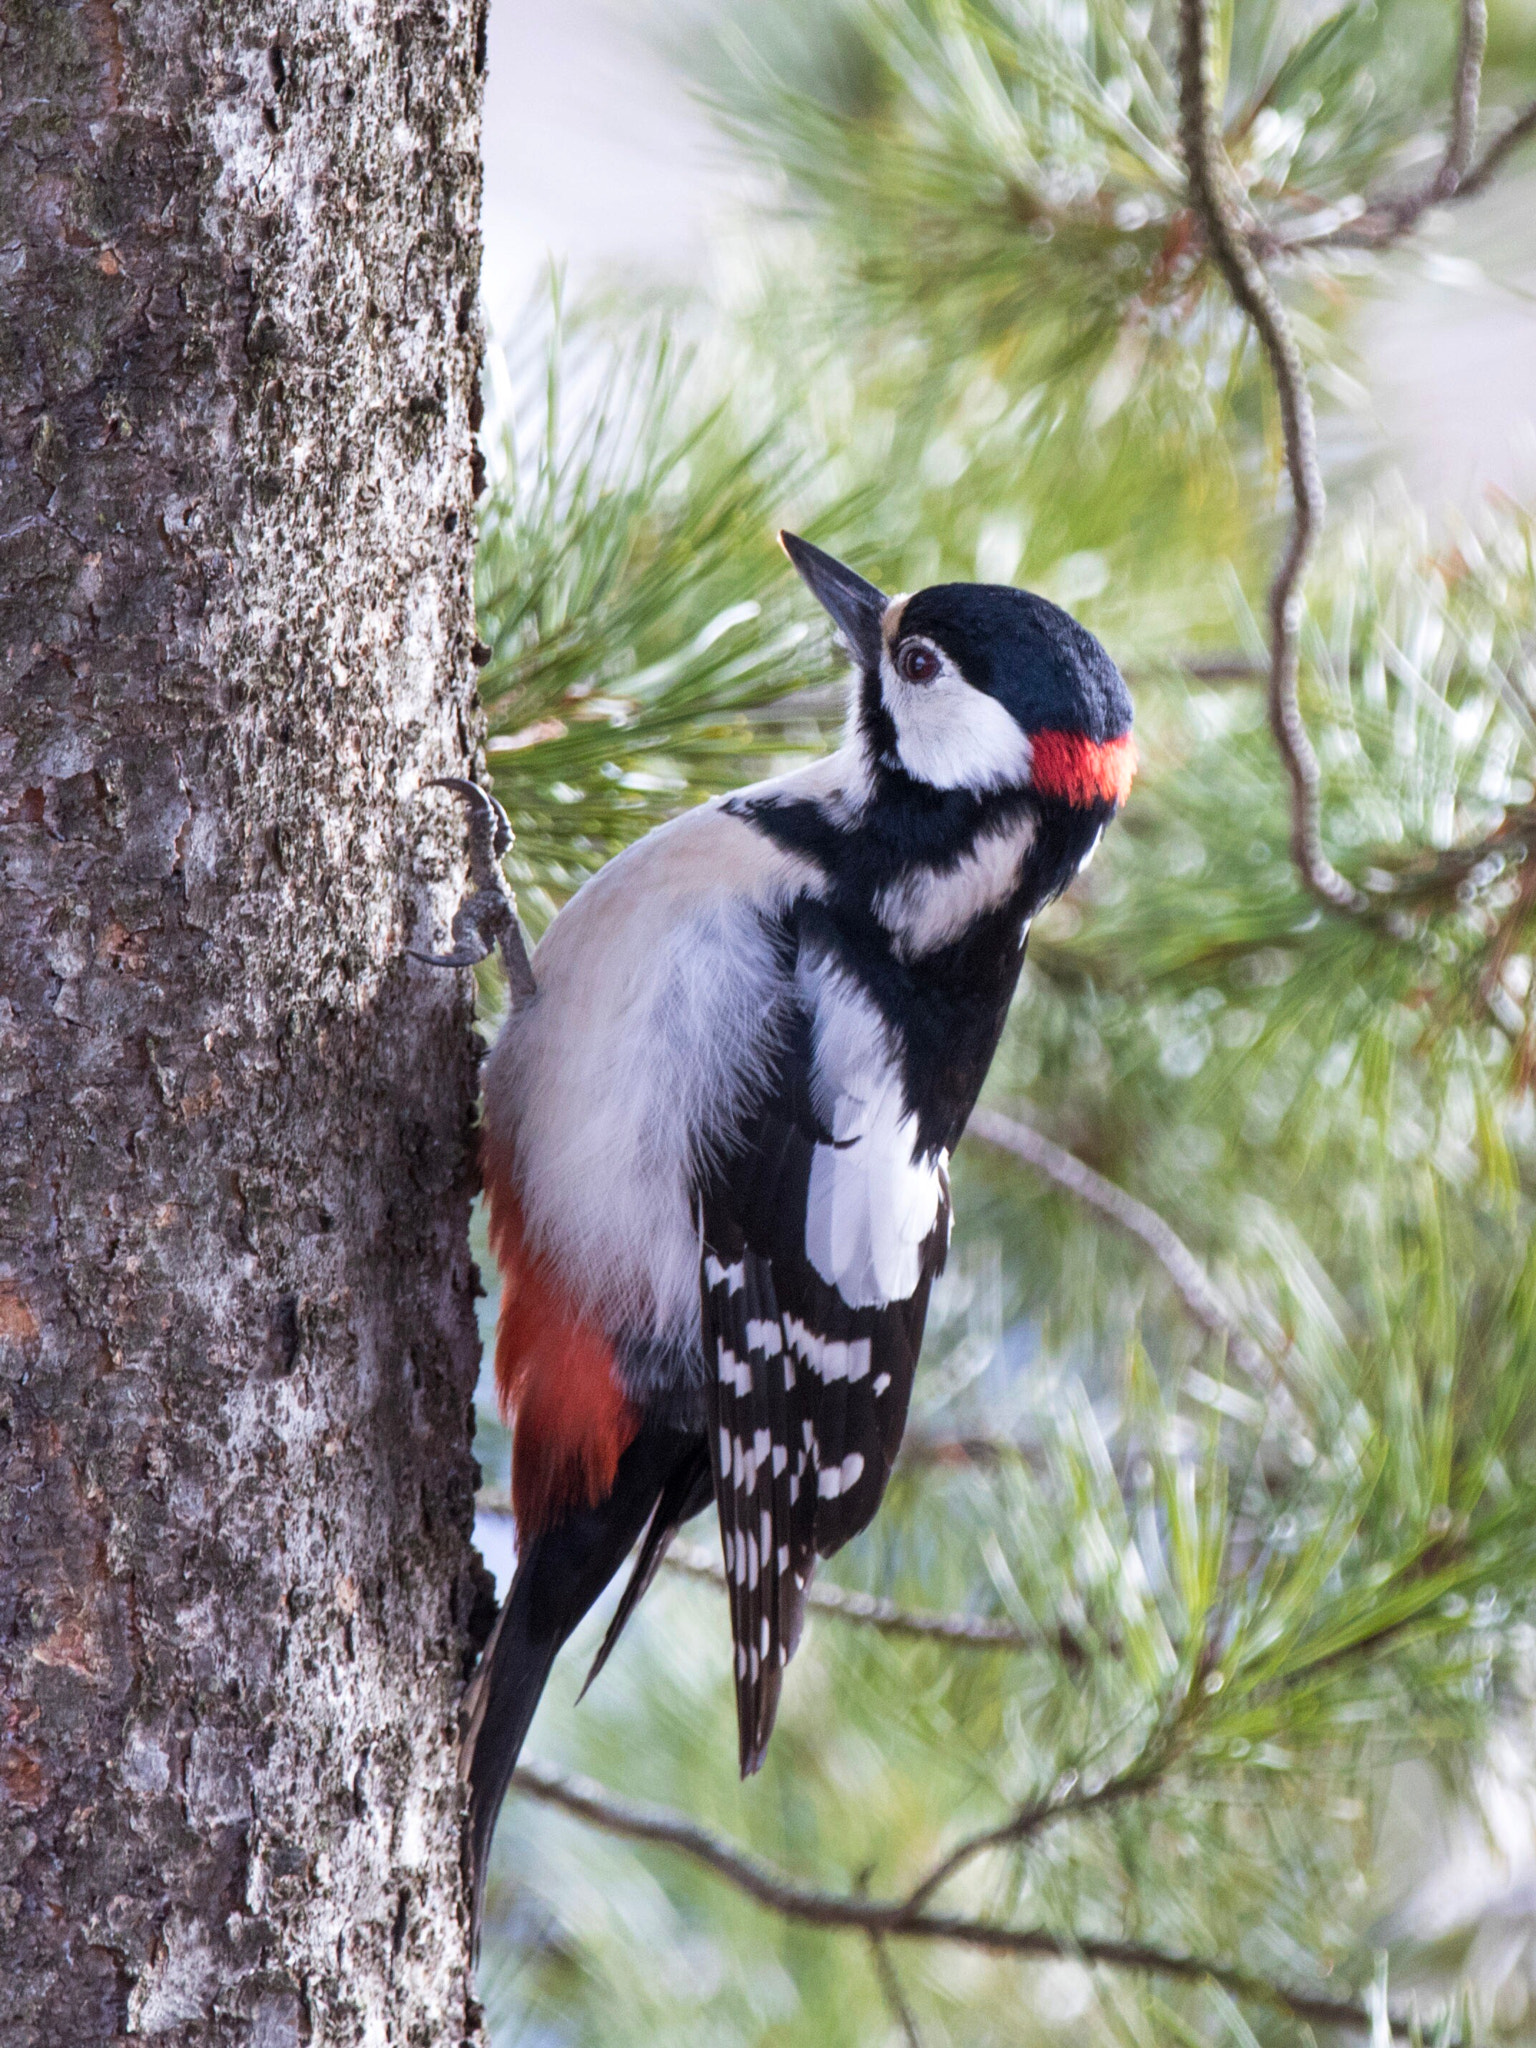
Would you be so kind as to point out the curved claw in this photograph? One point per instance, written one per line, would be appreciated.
(487, 917)
(490, 820)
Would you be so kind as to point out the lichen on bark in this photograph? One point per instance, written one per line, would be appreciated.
(238, 363)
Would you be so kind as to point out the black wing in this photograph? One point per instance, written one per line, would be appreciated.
(822, 1234)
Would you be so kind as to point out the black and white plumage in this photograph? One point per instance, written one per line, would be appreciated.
(717, 1139)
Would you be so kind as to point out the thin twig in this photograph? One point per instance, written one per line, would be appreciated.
(1465, 101)
(1189, 1278)
(1221, 668)
(1523, 125)
(893, 1919)
(1388, 217)
(960, 1630)
(1210, 183)
(1235, 246)
(919, 1447)
(1139, 1777)
(891, 1991)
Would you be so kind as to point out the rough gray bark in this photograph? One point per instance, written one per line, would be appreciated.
(239, 251)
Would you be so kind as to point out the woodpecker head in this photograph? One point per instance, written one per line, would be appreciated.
(979, 687)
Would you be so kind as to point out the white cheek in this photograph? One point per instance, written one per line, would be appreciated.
(951, 736)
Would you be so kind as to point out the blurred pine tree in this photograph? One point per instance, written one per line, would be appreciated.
(1259, 1607)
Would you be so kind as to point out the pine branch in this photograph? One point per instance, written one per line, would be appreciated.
(1141, 1775)
(1189, 1278)
(1210, 183)
(893, 1919)
(1235, 245)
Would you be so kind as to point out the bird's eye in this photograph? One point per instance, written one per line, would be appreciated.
(916, 663)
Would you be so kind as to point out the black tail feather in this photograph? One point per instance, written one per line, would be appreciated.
(559, 1575)
(688, 1492)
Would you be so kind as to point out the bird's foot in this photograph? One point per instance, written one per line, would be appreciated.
(487, 917)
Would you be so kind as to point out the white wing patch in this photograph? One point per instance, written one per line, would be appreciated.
(873, 1200)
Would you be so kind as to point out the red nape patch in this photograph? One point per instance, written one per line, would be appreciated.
(1082, 771)
(555, 1376)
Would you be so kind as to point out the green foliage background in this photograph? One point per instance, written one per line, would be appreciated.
(1284, 1625)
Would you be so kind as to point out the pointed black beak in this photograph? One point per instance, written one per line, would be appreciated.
(855, 607)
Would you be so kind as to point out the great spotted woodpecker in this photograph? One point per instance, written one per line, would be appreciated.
(717, 1132)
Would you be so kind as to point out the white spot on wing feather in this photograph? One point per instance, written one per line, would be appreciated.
(735, 1373)
(830, 1358)
(840, 1479)
(731, 1278)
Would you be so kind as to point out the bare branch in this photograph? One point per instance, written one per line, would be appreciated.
(1189, 1278)
(1221, 668)
(1523, 126)
(891, 1919)
(1211, 192)
(1389, 217)
(961, 1630)
(1465, 100)
(1200, 668)
(920, 1448)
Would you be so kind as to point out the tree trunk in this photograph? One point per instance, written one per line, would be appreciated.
(237, 1346)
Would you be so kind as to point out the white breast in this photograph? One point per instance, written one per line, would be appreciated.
(659, 997)
(927, 907)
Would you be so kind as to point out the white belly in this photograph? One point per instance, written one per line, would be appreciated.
(659, 997)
